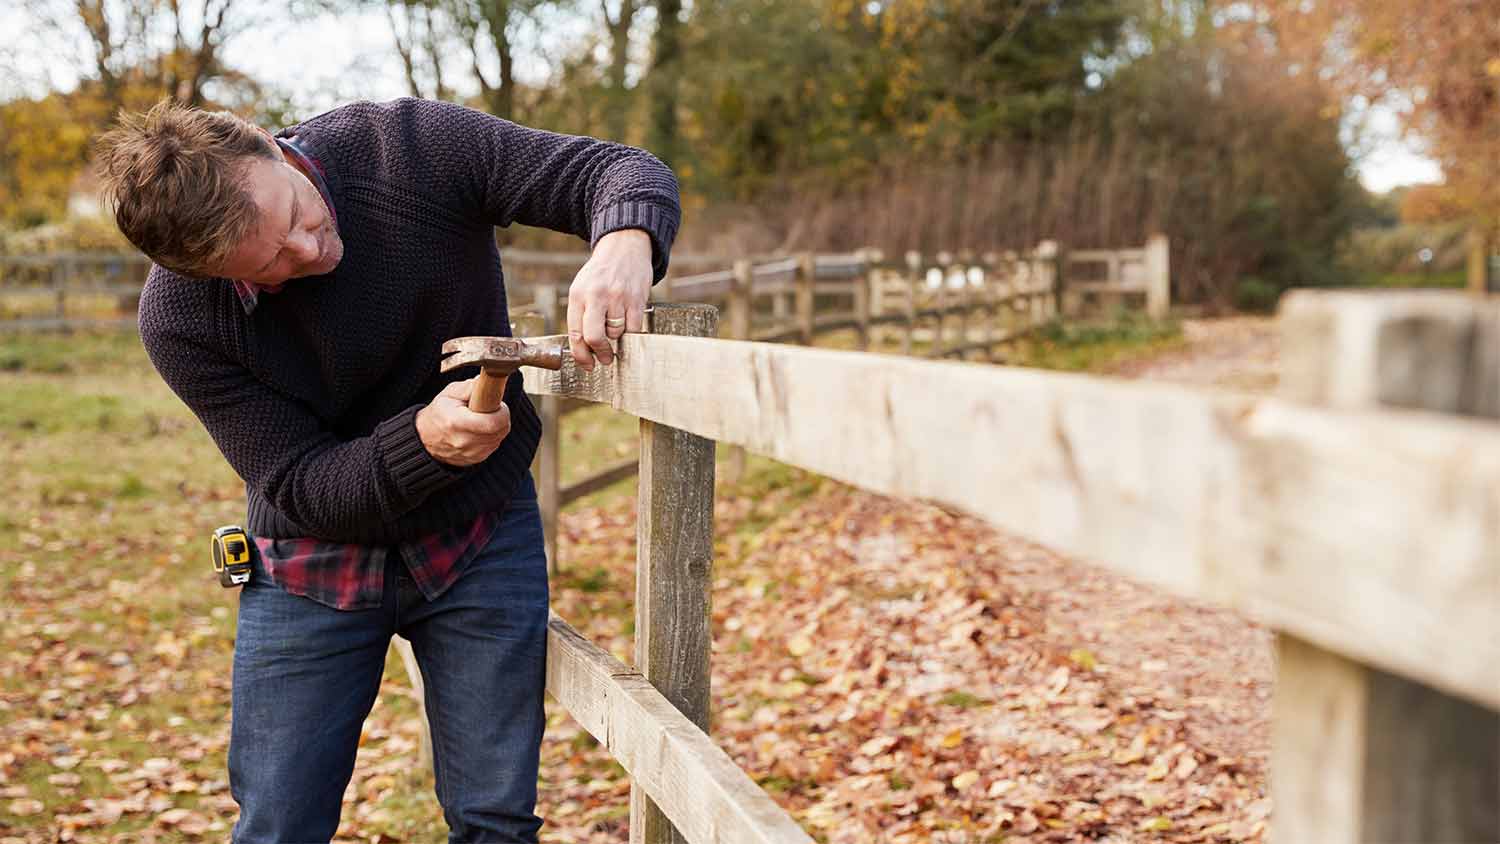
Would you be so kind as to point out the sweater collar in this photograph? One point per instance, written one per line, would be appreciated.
(248, 294)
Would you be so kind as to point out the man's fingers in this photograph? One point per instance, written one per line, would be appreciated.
(459, 390)
(483, 424)
(635, 318)
(593, 329)
(582, 354)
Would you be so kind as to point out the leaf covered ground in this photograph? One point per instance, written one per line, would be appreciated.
(887, 671)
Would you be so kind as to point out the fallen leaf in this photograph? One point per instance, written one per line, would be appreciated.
(26, 807)
(1187, 763)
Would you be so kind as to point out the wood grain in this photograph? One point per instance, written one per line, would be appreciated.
(1306, 518)
(670, 758)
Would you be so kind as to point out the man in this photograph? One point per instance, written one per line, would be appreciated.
(304, 285)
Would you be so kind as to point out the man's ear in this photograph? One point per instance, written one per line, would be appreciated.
(272, 140)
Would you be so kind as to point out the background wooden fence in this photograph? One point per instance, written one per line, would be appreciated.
(85, 289)
(944, 305)
(1367, 537)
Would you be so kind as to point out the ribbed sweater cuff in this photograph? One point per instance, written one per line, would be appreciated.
(658, 221)
(416, 472)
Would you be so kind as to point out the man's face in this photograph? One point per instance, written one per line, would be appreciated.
(294, 236)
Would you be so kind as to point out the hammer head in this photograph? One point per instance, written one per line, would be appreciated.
(499, 355)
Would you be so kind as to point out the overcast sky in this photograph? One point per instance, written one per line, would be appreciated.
(325, 60)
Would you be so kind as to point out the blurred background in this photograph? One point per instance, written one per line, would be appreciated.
(1271, 143)
(1278, 142)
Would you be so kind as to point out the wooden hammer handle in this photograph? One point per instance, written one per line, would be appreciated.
(488, 392)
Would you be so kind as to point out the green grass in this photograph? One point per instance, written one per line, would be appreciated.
(1456, 278)
(42, 303)
(1086, 346)
(53, 353)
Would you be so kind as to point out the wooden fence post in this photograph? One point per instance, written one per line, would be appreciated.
(741, 302)
(862, 285)
(913, 287)
(959, 269)
(62, 277)
(549, 458)
(1158, 276)
(1478, 259)
(1360, 755)
(807, 275)
(674, 567)
(876, 279)
(1044, 284)
(939, 341)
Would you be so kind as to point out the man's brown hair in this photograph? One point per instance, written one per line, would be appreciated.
(175, 178)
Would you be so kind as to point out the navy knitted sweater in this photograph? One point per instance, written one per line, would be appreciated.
(312, 396)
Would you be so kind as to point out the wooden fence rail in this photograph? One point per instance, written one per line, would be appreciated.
(1368, 537)
(944, 305)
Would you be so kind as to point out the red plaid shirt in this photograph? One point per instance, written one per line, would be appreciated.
(352, 577)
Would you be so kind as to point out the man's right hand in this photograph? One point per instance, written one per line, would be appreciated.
(456, 435)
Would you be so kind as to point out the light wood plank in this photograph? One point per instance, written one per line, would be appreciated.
(1360, 754)
(418, 688)
(699, 788)
(1306, 518)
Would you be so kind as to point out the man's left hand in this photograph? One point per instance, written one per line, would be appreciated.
(608, 296)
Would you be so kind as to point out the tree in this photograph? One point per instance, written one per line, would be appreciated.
(619, 61)
(1437, 61)
(664, 80)
(43, 145)
(160, 48)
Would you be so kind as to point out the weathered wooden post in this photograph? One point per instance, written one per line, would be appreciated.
(549, 457)
(1042, 305)
(959, 268)
(1158, 276)
(862, 283)
(807, 275)
(941, 299)
(1114, 280)
(1007, 288)
(62, 277)
(913, 287)
(1478, 259)
(878, 280)
(741, 300)
(674, 567)
(1361, 756)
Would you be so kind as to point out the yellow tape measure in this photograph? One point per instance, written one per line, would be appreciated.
(232, 549)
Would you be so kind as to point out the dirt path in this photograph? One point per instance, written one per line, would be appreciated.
(1240, 353)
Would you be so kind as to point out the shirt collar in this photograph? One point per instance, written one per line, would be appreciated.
(248, 293)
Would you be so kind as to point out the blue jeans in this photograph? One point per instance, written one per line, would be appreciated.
(306, 675)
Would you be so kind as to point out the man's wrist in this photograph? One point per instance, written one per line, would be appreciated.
(625, 240)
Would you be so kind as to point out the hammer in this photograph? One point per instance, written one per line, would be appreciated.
(499, 357)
